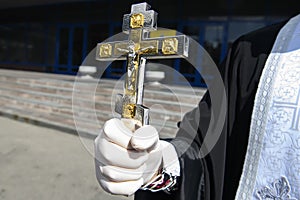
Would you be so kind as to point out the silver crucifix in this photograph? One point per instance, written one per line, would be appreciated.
(139, 47)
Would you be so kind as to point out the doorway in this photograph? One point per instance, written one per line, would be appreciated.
(71, 48)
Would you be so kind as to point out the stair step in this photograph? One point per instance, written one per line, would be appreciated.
(84, 105)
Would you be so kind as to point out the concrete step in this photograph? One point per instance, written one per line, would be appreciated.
(71, 103)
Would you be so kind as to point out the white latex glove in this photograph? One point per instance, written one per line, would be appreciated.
(126, 160)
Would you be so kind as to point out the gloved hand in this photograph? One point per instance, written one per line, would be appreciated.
(126, 159)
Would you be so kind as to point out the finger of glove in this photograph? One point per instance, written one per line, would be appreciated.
(153, 164)
(118, 174)
(126, 188)
(144, 138)
(116, 132)
(108, 153)
(169, 154)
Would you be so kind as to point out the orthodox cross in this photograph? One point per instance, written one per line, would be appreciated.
(139, 47)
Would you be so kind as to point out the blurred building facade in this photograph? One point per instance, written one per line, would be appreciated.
(56, 36)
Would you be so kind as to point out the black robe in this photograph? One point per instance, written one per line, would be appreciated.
(216, 176)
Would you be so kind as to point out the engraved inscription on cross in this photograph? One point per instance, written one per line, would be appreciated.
(139, 47)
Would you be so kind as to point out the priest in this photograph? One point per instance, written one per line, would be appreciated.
(257, 154)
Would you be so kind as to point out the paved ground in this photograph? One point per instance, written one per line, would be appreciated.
(38, 163)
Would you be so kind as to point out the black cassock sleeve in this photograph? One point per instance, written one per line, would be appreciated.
(194, 181)
(210, 177)
(187, 144)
